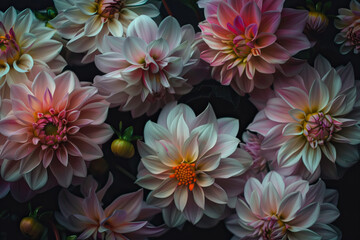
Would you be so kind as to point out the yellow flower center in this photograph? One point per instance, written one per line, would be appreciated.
(185, 174)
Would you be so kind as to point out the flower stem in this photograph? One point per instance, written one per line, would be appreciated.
(56, 232)
(167, 8)
(125, 172)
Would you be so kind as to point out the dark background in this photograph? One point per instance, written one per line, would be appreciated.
(225, 103)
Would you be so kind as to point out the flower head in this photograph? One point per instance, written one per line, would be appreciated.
(190, 163)
(315, 121)
(124, 218)
(248, 40)
(86, 22)
(285, 208)
(348, 22)
(54, 126)
(25, 46)
(148, 68)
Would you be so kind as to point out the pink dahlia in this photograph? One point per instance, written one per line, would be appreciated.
(146, 70)
(124, 218)
(55, 126)
(190, 164)
(25, 46)
(316, 121)
(348, 21)
(285, 208)
(86, 22)
(249, 40)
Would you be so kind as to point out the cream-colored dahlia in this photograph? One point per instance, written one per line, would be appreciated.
(190, 164)
(86, 22)
(317, 121)
(26, 45)
(287, 208)
(148, 68)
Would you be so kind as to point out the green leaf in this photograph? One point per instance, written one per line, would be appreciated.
(133, 138)
(128, 133)
(116, 131)
(120, 126)
(72, 237)
(326, 6)
(318, 6)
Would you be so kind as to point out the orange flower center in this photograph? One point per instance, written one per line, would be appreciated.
(185, 174)
(9, 49)
(319, 128)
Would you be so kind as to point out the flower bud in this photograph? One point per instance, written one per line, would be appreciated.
(31, 227)
(122, 148)
(317, 22)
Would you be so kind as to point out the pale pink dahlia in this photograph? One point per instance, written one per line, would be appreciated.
(348, 21)
(317, 121)
(125, 218)
(146, 70)
(86, 22)
(249, 40)
(26, 45)
(54, 127)
(190, 163)
(285, 209)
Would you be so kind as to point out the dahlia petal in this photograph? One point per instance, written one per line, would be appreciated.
(10, 170)
(305, 218)
(204, 180)
(290, 153)
(270, 22)
(209, 163)
(143, 27)
(46, 50)
(295, 97)
(131, 203)
(347, 155)
(326, 231)
(62, 155)
(199, 196)
(311, 157)
(228, 167)
(261, 123)
(274, 138)
(244, 212)
(148, 9)
(278, 110)
(293, 17)
(292, 129)
(192, 212)
(250, 13)
(304, 234)
(154, 164)
(329, 151)
(328, 213)
(216, 194)
(172, 216)
(75, 15)
(228, 126)
(318, 96)
(149, 182)
(275, 54)
(9, 18)
(93, 26)
(264, 39)
(88, 149)
(134, 50)
(226, 14)
(37, 178)
(181, 197)
(169, 29)
(292, 40)
(32, 161)
(99, 134)
(4, 69)
(115, 27)
(80, 43)
(348, 135)
(63, 174)
(289, 206)
(275, 5)
(297, 114)
(277, 181)
(270, 199)
(207, 138)
(166, 188)
(24, 63)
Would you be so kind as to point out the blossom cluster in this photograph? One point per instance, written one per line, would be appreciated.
(263, 180)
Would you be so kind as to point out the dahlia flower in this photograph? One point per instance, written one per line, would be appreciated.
(124, 218)
(190, 163)
(285, 208)
(86, 22)
(146, 69)
(54, 126)
(248, 40)
(348, 21)
(317, 121)
(25, 45)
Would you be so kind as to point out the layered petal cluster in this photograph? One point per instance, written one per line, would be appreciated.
(348, 21)
(124, 218)
(249, 40)
(315, 121)
(54, 126)
(190, 164)
(26, 45)
(285, 208)
(146, 69)
(86, 22)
